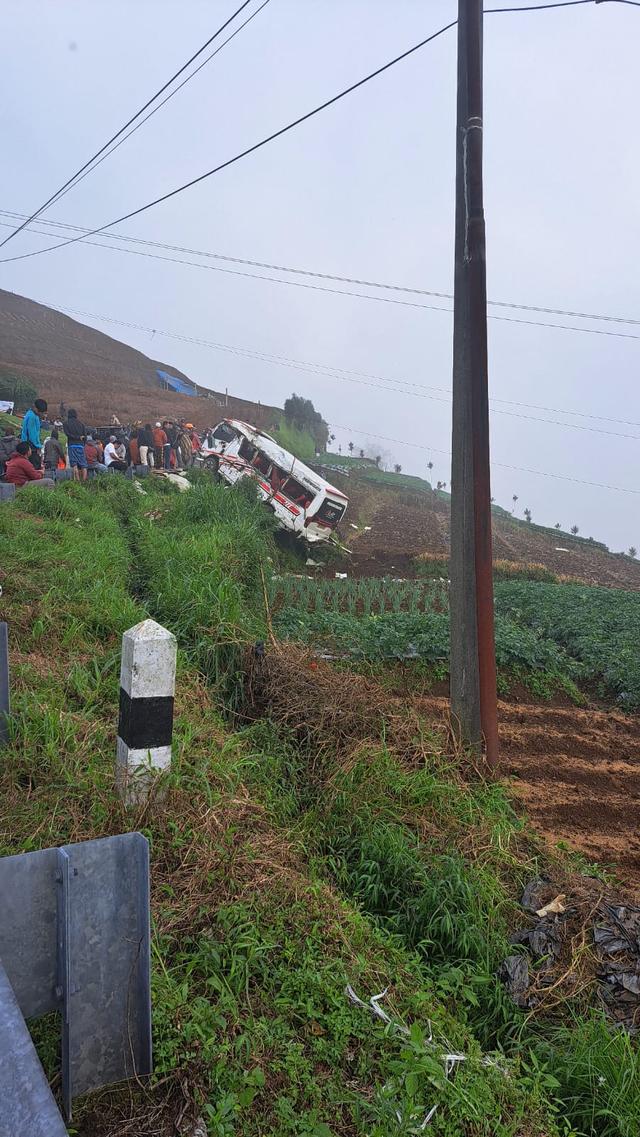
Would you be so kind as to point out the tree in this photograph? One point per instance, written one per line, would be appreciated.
(302, 413)
(633, 551)
(378, 459)
(527, 515)
(332, 438)
(361, 453)
(397, 468)
(558, 525)
(514, 500)
(17, 390)
(429, 467)
(575, 530)
(351, 447)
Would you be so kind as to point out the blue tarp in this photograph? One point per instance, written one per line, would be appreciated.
(179, 385)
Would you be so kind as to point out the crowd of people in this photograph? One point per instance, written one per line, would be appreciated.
(167, 445)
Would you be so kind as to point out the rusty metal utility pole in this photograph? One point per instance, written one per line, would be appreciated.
(473, 663)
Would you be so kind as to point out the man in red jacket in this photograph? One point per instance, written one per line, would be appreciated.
(19, 471)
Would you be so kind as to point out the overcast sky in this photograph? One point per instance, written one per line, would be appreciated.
(366, 189)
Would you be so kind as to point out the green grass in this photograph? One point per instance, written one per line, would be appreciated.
(298, 442)
(280, 874)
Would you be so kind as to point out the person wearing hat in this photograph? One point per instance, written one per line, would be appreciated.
(160, 440)
(93, 456)
(112, 459)
(196, 442)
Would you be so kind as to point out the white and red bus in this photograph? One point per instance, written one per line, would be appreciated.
(303, 502)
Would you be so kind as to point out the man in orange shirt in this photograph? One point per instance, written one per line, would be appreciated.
(160, 440)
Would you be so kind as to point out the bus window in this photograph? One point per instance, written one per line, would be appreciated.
(261, 462)
(278, 477)
(225, 433)
(247, 450)
(297, 493)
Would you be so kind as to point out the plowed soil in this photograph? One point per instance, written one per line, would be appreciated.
(398, 527)
(577, 774)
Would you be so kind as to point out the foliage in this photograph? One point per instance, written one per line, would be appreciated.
(300, 443)
(210, 593)
(598, 627)
(278, 878)
(302, 413)
(17, 389)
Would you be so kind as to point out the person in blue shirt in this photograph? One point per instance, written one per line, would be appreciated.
(31, 431)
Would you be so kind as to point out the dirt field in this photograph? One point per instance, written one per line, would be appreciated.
(399, 530)
(577, 774)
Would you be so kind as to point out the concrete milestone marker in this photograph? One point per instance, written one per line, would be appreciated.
(147, 688)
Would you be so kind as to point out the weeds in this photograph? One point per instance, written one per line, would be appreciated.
(286, 862)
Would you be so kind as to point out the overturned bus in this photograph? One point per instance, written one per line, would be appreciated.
(303, 502)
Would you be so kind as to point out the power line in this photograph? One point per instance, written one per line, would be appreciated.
(161, 104)
(503, 465)
(244, 153)
(68, 183)
(345, 375)
(560, 4)
(269, 138)
(262, 357)
(325, 288)
(320, 275)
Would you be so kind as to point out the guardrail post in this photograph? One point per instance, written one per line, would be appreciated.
(147, 687)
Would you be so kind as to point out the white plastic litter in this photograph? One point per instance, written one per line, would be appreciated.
(450, 1061)
(341, 576)
(138, 487)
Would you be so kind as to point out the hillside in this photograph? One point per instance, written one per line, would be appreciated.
(396, 521)
(71, 362)
(317, 830)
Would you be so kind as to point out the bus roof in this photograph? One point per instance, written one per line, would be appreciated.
(284, 459)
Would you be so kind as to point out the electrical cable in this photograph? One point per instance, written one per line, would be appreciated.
(320, 275)
(243, 153)
(128, 123)
(161, 104)
(347, 376)
(342, 292)
(502, 465)
(269, 138)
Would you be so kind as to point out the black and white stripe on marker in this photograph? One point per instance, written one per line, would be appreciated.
(147, 688)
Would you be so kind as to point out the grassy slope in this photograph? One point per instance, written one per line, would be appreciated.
(279, 873)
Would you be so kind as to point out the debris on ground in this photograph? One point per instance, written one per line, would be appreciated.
(579, 940)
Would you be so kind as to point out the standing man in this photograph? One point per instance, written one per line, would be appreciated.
(145, 445)
(54, 454)
(76, 433)
(160, 440)
(31, 431)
